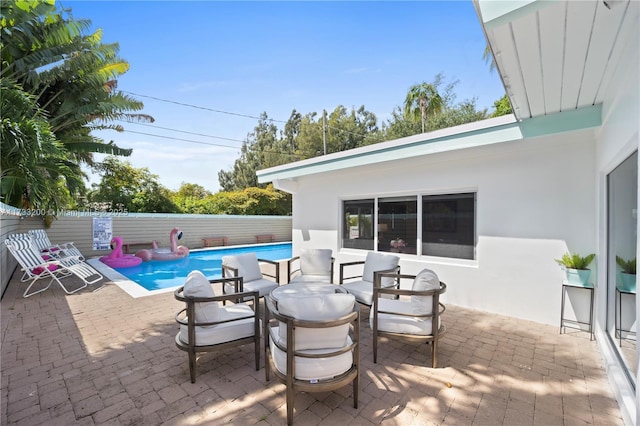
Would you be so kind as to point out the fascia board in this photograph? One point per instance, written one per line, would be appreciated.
(440, 141)
(560, 122)
(495, 13)
(434, 142)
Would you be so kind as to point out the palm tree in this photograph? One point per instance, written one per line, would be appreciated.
(422, 101)
(33, 163)
(488, 57)
(70, 79)
(72, 75)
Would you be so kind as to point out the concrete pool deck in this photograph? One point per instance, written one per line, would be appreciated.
(102, 357)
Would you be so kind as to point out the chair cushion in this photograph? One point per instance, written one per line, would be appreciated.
(263, 286)
(425, 280)
(379, 262)
(362, 290)
(225, 332)
(321, 307)
(400, 323)
(246, 264)
(39, 269)
(197, 285)
(311, 368)
(315, 261)
(311, 279)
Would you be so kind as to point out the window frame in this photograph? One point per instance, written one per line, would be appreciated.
(419, 198)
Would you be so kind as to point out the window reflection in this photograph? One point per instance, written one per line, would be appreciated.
(621, 283)
(357, 228)
(398, 224)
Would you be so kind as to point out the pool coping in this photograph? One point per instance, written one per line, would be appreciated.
(135, 290)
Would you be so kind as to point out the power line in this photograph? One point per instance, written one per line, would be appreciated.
(237, 114)
(206, 143)
(253, 117)
(181, 131)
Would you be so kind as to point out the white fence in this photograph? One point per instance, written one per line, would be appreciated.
(140, 227)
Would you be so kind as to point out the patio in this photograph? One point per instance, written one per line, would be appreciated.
(102, 357)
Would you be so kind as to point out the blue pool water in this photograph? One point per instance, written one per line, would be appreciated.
(157, 274)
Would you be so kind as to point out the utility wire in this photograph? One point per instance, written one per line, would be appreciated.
(206, 143)
(180, 131)
(239, 115)
(200, 107)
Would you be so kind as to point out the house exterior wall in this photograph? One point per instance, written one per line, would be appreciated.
(535, 201)
(616, 140)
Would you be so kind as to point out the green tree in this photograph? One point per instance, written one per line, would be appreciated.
(451, 113)
(502, 107)
(71, 76)
(488, 57)
(33, 162)
(350, 129)
(124, 187)
(251, 201)
(263, 148)
(191, 198)
(421, 102)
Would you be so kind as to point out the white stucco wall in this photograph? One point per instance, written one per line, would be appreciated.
(535, 200)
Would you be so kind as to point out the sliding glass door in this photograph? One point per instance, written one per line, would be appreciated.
(622, 202)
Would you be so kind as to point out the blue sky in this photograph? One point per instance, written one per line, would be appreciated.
(254, 57)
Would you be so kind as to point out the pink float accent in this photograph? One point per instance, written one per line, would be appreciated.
(173, 253)
(117, 259)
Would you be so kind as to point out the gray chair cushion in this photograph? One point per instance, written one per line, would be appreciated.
(425, 280)
(197, 285)
(362, 290)
(315, 261)
(320, 307)
(379, 262)
(246, 264)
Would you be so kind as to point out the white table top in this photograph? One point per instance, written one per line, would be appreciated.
(305, 289)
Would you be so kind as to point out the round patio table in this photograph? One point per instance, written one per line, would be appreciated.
(305, 289)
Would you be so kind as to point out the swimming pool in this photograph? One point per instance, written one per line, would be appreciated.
(158, 276)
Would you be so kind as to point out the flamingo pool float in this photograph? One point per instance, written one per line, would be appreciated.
(172, 253)
(117, 259)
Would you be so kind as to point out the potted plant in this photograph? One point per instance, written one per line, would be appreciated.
(576, 267)
(628, 273)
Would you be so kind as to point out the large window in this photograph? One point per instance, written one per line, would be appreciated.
(448, 225)
(431, 225)
(398, 224)
(357, 228)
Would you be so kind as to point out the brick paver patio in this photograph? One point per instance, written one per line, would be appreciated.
(102, 357)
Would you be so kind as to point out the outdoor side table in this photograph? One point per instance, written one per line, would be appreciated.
(619, 292)
(575, 323)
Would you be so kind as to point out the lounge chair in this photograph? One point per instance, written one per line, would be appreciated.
(413, 314)
(206, 326)
(361, 286)
(312, 265)
(34, 267)
(42, 242)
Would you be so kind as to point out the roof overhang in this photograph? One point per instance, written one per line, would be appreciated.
(471, 135)
(556, 55)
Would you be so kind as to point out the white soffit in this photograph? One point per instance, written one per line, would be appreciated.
(553, 55)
